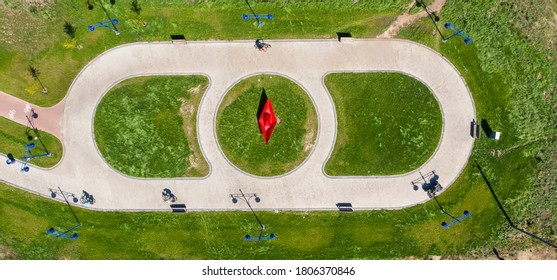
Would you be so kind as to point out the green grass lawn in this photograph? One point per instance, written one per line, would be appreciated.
(409, 233)
(387, 123)
(510, 71)
(33, 34)
(507, 69)
(238, 130)
(13, 139)
(146, 127)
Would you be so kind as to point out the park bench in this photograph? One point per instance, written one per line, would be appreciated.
(344, 207)
(475, 130)
(178, 39)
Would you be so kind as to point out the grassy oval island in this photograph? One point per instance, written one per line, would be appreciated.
(387, 123)
(146, 127)
(238, 131)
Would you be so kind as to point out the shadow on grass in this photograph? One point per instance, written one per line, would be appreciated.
(486, 128)
(505, 212)
(432, 15)
(262, 101)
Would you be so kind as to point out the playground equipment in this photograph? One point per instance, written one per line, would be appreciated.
(65, 234)
(258, 17)
(248, 237)
(457, 32)
(105, 24)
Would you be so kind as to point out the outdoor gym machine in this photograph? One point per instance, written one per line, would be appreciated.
(256, 16)
(454, 220)
(457, 32)
(27, 156)
(105, 24)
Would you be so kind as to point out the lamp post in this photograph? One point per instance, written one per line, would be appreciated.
(434, 18)
(65, 234)
(248, 237)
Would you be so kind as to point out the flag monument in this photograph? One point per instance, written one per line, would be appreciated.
(267, 121)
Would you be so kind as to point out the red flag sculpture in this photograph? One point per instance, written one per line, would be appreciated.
(267, 121)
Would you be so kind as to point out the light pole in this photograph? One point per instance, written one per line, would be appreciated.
(248, 237)
(64, 234)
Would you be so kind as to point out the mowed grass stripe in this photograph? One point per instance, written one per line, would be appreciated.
(387, 123)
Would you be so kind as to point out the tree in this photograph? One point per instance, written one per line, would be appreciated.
(136, 9)
(69, 29)
(34, 72)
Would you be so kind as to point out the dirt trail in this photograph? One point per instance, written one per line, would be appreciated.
(406, 19)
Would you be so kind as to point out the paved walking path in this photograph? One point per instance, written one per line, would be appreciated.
(17, 110)
(225, 63)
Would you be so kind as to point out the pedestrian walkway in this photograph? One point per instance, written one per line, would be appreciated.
(226, 63)
(48, 119)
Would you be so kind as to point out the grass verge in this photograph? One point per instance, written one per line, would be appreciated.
(387, 123)
(33, 33)
(13, 140)
(146, 127)
(403, 234)
(238, 130)
(511, 72)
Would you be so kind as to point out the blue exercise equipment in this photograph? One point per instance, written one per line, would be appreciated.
(261, 237)
(457, 32)
(258, 17)
(28, 156)
(456, 220)
(105, 24)
(59, 234)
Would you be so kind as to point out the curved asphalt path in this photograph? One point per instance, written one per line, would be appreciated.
(225, 63)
